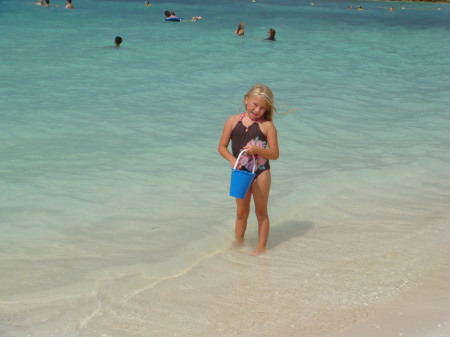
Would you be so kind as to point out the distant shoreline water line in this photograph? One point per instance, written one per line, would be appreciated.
(422, 1)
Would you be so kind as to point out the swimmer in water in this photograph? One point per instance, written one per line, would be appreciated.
(271, 37)
(240, 29)
(117, 41)
(271, 33)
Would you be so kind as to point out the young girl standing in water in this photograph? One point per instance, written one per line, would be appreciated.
(254, 132)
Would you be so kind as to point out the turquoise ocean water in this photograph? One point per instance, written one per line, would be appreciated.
(115, 218)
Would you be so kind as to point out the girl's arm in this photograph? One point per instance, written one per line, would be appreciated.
(225, 140)
(272, 151)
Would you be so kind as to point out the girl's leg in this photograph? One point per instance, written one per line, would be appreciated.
(260, 190)
(243, 210)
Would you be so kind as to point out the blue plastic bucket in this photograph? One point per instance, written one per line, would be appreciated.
(241, 180)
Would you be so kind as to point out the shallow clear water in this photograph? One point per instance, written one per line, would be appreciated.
(114, 198)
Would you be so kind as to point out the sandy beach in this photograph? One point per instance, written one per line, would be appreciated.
(260, 301)
(421, 312)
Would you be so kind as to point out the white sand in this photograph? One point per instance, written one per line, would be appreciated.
(232, 294)
(421, 312)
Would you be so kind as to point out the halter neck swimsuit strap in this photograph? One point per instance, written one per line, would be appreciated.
(243, 115)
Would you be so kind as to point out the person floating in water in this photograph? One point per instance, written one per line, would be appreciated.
(117, 41)
(391, 9)
(69, 4)
(240, 29)
(147, 4)
(46, 3)
(171, 16)
(271, 33)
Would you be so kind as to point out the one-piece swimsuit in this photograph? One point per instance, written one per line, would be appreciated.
(242, 136)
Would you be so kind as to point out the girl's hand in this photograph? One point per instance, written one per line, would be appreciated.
(251, 149)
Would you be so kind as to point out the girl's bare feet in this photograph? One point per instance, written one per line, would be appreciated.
(238, 242)
(258, 251)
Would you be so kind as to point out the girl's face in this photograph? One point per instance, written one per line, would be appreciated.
(256, 106)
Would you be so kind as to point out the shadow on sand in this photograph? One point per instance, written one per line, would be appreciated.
(288, 230)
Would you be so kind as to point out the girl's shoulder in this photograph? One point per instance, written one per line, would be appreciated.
(232, 121)
(266, 125)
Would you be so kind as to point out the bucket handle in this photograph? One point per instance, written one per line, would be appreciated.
(237, 161)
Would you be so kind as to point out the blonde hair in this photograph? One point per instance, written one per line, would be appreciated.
(265, 92)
